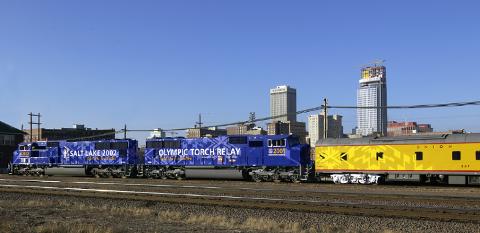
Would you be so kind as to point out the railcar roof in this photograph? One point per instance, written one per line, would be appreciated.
(414, 139)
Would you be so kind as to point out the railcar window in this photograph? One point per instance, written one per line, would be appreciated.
(270, 143)
(419, 155)
(379, 155)
(23, 147)
(344, 156)
(237, 140)
(477, 155)
(255, 143)
(456, 155)
(102, 145)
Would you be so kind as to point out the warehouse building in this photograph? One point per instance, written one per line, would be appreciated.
(76, 133)
(10, 137)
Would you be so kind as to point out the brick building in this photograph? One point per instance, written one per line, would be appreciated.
(407, 128)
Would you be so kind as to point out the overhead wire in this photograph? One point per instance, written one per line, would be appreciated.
(420, 106)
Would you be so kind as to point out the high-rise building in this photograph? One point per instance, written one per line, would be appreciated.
(316, 129)
(372, 93)
(283, 101)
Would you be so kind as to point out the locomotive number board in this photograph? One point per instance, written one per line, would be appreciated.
(278, 151)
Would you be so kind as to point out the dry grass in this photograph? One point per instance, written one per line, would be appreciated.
(204, 220)
(61, 227)
(109, 209)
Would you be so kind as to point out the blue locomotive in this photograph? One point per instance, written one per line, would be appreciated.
(259, 157)
(256, 157)
(117, 158)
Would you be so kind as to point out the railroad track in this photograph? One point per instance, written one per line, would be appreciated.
(460, 209)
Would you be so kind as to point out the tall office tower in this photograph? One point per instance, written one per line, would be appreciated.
(372, 93)
(283, 100)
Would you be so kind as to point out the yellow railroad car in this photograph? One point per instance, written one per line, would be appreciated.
(449, 158)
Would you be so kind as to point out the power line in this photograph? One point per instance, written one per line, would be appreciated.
(420, 106)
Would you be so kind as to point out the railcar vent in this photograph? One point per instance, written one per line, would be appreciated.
(102, 146)
(154, 144)
(172, 144)
(255, 143)
(119, 145)
(53, 144)
(237, 140)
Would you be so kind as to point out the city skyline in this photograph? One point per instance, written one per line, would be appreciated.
(75, 63)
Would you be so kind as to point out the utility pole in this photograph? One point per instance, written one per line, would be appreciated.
(251, 118)
(35, 123)
(125, 132)
(325, 119)
(199, 122)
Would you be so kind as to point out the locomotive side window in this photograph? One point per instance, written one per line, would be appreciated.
(270, 143)
(255, 143)
(456, 155)
(237, 140)
(379, 155)
(419, 155)
(477, 155)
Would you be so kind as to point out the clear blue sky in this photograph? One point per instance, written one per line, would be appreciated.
(159, 63)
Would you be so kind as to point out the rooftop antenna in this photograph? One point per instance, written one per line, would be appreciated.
(378, 62)
(375, 63)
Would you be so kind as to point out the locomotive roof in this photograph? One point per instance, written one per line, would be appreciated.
(413, 139)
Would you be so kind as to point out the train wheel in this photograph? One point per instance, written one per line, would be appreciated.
(179, 177)
(256, 178)
(295, 178)
(276, 178)
(163, 176)
(95, 173)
